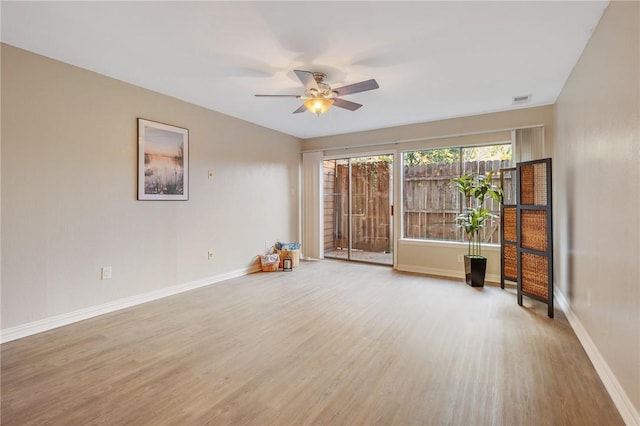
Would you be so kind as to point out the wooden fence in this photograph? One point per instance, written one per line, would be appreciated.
(431, 203)
(430, 207)
(371, 204)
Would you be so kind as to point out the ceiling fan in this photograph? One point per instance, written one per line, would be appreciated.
(318, 96)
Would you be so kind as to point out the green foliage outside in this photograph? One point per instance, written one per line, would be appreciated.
(452, 155)
(431, 156)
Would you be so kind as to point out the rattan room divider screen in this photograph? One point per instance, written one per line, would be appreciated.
(527, 231)
(509, 247)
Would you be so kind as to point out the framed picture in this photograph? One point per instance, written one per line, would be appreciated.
(287, 264)
(163, 161)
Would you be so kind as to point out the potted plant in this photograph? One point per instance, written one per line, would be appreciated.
(475, 188)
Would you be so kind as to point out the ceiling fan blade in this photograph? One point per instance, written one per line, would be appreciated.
(363, 86)
(307, 79)
(301, 109)
(278, 96)
(342, 103)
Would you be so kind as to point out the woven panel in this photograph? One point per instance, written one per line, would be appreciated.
(510, 262)
(509, 214)
(540, 184)
(533, 228)
(527, 195)
(534, 275)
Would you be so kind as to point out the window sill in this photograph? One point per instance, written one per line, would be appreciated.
(448, 244)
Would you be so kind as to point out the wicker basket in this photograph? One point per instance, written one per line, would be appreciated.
(293, 254)
(269, 262)
(269, 267)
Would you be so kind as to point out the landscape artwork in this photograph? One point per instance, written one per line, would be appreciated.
(163, 166)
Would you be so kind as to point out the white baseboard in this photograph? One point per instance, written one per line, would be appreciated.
(448, 273)
(622, 402)
(50, 323)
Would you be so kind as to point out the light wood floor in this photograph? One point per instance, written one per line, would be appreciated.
(329, 343)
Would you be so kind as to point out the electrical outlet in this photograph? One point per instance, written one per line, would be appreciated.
(210, 174)
(105, 273)
(210, 254)
(461, 258)
(266, 244)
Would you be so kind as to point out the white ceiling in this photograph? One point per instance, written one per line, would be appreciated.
(432, 60)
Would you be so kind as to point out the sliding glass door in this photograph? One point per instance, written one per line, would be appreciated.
(358, 221)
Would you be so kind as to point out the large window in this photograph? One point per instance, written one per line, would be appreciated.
(430, 203)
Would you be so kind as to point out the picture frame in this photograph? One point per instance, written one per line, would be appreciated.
(163, 161)
(287, 264)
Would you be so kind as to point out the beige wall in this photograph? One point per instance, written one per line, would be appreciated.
(427, 257)
(475, 124)
(598, 200)
(69, 192)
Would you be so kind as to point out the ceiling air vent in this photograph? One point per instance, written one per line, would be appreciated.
(519, 100)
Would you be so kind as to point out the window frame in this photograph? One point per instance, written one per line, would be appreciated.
(401, 192)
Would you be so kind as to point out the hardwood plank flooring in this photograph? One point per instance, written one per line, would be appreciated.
(329, 343)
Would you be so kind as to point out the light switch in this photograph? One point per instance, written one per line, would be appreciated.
(105, 273)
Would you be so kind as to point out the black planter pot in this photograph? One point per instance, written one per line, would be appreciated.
(475, 269)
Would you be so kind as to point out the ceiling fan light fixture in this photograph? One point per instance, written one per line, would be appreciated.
(318, 105)
(319, 97)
